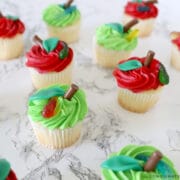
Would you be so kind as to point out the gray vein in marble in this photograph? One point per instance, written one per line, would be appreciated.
(174, 139)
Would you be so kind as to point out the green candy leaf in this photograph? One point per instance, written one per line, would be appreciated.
(116, 26)
(70, 9)
(130, 65)
(139, 1)
(122, 163)
(50, 44)
(14, 18)
(4, 169)
(163, 75)
(47, 93)
(64, 52)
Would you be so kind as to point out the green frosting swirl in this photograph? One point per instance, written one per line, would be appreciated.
(112, 37)
(56, 15)
(67, 113)
(164, 170)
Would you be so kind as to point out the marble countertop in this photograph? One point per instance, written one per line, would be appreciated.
(108, 127)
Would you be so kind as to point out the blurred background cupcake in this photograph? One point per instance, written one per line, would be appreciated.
(56, 114)
(50, 62)
(63, 21)
(11, 37)
(114, 42)
(146, 13)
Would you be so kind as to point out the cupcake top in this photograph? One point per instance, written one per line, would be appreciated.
(54, 109)
(50, 55)
(141, 74)
(5, 171)
(112, 36)
(175, 38)
(61, 15)
(10, 26)
(137, 163)
(141, 9)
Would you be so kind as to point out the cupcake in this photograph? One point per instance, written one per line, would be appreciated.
(140, 81)
(50, 62)
(146, 13)
(11, 37)
(6, 173)
(56, 114)
(63, 21)
(175, 52)
(138, 163)
(114, 42)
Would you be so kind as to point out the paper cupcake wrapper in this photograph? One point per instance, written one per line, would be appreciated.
(145, 27)
(11, 47)
(106, 57)
(69, 34)
(138, 102)
(41, 80)
(175, 57)
(56, 138)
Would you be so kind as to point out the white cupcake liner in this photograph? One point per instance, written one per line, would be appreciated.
(145, 27)
(138, 102)
(175, 57)
(41, 80)
(11, 48)
(56, 138)
(107, 57)
(69, 34)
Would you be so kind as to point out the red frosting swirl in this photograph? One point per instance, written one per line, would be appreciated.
(141, 79)
(10, 28)
(177, 42)
(45, 62)
(132, 9)
(11, 176)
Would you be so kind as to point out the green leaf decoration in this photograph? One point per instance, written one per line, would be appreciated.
(47, 93)
(116, 26)
(139, 1)
(50, 44)
(70, 9)
(4, 169)
(14, 18)
(163, 75)
(130, 65)
(122, 163)
(64, 52)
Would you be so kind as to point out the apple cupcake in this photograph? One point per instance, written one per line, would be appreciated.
(63, 21)
(50, 62)
(138, 163)
(175, 52)
(11, 37)
(146, 13)
(140, 82)
(6, 173)
(114, 42)
(56, 114)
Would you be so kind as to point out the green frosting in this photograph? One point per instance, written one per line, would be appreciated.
(111, 36)
(130, 65)
(56, 15)
(164, 170)
(67, 113)
(4, 169)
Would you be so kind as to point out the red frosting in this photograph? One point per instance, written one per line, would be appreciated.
(11, 176)
(141, 79)
(10, 28)
(132, 9)
(45, 62)
(177, 42)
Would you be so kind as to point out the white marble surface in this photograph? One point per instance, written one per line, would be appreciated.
(108, 127)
